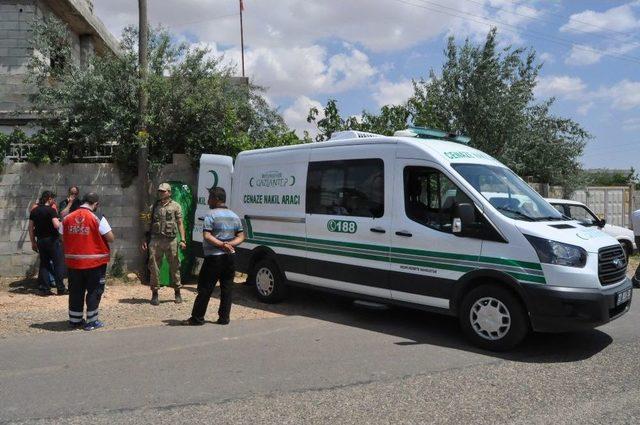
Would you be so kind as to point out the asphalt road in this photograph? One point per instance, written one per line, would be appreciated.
(339, 364)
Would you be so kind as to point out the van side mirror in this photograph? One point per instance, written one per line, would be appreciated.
(602, 222)
(463, 217)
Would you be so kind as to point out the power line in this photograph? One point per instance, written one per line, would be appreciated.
(599, 149)
(556, 40)
(613, 148)
(628, 36)
(536, 34)
(632, 35)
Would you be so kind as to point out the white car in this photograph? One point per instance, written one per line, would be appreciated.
(579, 211)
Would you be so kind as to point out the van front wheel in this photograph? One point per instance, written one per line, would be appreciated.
(269, 282)
(493, 318)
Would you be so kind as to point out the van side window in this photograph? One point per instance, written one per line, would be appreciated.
(430, 197)
(349, 187)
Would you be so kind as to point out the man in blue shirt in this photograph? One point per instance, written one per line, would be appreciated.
(222, 232)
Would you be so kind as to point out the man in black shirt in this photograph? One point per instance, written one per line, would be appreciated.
(72, 202)
(45, 240)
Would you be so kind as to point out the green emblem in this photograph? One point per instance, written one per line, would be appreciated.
(215, 179)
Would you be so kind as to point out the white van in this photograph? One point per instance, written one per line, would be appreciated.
(420, 222)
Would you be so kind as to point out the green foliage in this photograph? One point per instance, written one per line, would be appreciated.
(37, 153)
(390, 119)
(486, 93)
(194, 104)
(117, 266)
(612, 177)
(4, 148)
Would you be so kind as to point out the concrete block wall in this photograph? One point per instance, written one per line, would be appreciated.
(16, 17)
(21, 184)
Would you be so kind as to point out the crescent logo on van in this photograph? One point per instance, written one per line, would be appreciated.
(215, 179)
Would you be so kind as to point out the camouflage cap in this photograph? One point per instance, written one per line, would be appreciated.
(165, 187)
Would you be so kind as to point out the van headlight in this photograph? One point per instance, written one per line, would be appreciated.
(562, 254)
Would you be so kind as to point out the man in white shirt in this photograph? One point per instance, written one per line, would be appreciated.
(635, 222)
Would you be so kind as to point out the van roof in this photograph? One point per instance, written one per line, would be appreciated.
(446, 151)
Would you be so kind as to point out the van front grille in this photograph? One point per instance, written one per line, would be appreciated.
(612, 264)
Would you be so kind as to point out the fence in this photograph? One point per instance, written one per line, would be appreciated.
(614, 203)
(19, 152)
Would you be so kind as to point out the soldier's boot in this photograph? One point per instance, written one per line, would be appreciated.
(154, 298)
(178, 297)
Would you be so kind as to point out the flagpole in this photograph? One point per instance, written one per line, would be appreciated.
(241, 37)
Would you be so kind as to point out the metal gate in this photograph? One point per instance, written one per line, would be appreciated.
(614, 203)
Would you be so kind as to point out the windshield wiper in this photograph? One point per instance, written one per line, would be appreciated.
(517, 213)
(549, 218)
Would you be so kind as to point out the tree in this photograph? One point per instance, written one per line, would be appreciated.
(486, 93)
(605, 177)
(194, 104)
(390, 119)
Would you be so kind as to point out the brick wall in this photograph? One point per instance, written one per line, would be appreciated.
(22, 183)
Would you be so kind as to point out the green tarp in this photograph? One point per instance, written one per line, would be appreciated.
(183, 195)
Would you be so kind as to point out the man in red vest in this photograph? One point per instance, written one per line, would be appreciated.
(86, 237)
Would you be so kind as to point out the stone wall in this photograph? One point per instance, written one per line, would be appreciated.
(22, 183)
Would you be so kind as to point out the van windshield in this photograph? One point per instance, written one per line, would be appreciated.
(507, 192)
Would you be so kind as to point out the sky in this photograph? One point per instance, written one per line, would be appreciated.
(366, 53)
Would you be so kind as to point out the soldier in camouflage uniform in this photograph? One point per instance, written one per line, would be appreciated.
(165, 223)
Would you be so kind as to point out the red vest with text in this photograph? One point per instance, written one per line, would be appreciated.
(84, 247)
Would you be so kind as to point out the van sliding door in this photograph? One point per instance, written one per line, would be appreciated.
(348, 217)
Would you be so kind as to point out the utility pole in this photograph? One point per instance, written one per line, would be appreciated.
(242, 36)
(143, 43)
(144, 182)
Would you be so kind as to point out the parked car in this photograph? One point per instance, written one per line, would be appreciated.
(579, 211)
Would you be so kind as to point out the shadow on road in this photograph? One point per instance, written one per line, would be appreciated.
(414, 327)
(176, 322)
(57, 326)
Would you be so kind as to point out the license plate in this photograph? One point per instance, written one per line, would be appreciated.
(623, 296)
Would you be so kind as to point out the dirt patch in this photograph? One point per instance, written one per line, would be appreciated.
(126, 305)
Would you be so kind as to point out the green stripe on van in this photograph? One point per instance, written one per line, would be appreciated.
(297, 243)
(475, 258)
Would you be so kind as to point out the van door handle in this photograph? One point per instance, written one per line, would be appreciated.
(378, 230)
(404, 233)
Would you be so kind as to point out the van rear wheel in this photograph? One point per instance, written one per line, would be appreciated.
(493, 318)
(269, 281)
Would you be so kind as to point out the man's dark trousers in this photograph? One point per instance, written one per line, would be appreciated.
(214, 268)
(84, 286)
(51, 262)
